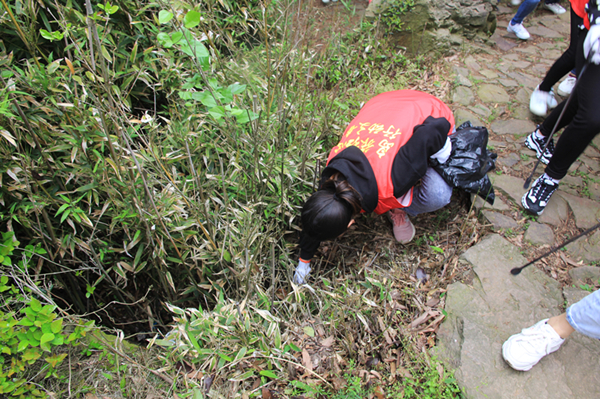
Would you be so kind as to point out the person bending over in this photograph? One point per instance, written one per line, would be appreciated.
(382, 155)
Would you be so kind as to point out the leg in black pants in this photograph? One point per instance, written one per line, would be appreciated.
(582, 118)
(566, 62)
(582, 121)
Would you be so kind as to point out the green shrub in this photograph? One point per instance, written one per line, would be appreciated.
(30, 332)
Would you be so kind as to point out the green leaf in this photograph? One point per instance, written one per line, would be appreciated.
(176, 37)
(269, 374)
(164, 17)
(294, 347)
(243, 376)
(35, 305)
(191, 19)
(164, 40)
(226, 256)
(236, 88)
(308, 330)
(56, 326)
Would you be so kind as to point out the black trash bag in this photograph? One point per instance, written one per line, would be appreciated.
(469, 162)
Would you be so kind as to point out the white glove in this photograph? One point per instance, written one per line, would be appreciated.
(301, 274)
(592, 44)
(443, 154)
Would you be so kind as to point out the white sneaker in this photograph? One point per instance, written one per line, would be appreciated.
(566, 86)
(555, 8)
(519, 30)
(515, 2)
(540, 101)
(524, 350)
(325, 1)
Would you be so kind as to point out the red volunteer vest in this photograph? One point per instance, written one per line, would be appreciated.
(578, 7)
(382, 127)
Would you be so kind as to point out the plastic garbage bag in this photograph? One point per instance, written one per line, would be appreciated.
(469, 162)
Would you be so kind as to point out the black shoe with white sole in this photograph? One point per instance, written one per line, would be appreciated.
(537, 145)
(536, 199)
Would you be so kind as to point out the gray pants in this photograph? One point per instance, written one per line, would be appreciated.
(432, 194)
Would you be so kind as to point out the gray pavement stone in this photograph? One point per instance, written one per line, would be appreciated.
(522, 96)
(463, 95)
(463, 81)
(499, 204)
(545, 32)
(489, 93)
(510, 160)
(511, 186)
(580, 275)
(513, 126)
(585, 211)
(481, 110)
(556, 212)
(508, 83)
(489, 74)
(586, 248)
(521, 64)
(499, 220)
(461, 116)
(539, 234)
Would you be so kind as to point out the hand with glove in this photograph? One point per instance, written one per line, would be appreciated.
(301, 273)
(591, 45)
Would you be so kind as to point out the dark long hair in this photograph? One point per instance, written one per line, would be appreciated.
(328, 212)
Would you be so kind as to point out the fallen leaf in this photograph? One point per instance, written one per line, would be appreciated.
(379, 393)
(327, 342)
(266, 394)
(306, 361)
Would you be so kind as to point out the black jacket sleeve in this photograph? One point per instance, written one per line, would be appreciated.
(412, 160)
(308, 246)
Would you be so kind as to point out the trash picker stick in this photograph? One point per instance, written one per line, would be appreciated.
(528, 181)
(517, 270)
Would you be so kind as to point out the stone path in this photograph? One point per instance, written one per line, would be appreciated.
(492, 88)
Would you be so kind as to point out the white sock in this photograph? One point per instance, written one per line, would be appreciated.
(538, 135)
(546, 177)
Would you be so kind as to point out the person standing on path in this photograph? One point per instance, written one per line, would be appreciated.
(526, 7)
(524, 350)
(538, 104)
(382, 155)
(581, 117)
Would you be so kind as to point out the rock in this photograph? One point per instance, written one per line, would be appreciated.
(499, 220)
(428, 25)
(585, 211)
(463, 95)
(482, 316)
(586, 248)
(463, 81)
(513, 126)
(539, 234)
(493, 94)
(481, 110)
(580, 275)
(461, 116)
(489, 74)
(499, 205)
(556, 212)
(508, 83)
(512, 186)
(574, 294)
(545, 32)
(510, 160)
